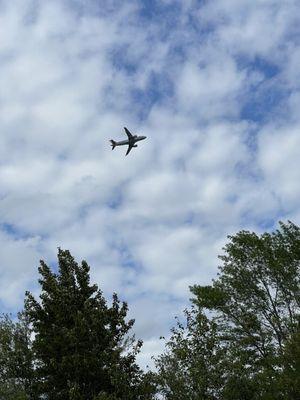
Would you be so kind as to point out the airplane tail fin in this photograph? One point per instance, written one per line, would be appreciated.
(113, 144)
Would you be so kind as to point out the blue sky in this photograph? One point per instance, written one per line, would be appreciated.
(214, 85)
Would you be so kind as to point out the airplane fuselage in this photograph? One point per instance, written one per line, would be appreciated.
(130, 142)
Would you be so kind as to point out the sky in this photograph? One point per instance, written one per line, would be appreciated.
(215, 87)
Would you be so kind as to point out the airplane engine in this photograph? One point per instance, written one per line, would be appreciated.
(134, 145)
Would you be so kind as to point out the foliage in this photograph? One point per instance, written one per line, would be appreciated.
(249, 323)
(290, 377)
(190, 367)
(16, 364)
(82, 346)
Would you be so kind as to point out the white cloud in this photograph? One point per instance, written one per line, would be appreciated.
(210, 90)
(252, 28)
(279, 159)
(18, 266)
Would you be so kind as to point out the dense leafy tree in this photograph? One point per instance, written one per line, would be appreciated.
(16, 363)
(252, 314)
(190, 368)
(82, 347)
(290, 377)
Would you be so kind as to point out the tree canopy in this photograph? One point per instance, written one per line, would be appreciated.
(16, 361)
(241, 337)
(70, 344)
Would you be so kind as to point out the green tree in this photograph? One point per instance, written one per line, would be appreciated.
(16, 361)
(190, 368)
(290, 378)
(252, 310)
(82, 346)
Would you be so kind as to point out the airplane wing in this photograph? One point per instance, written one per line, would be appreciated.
(128, 133)
(128, 150)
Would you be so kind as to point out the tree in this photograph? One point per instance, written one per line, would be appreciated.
(82, 346)
(16, 362)
(290, 378)
(252, 312)
(190, 368)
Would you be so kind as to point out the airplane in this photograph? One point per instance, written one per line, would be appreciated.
(131, 142)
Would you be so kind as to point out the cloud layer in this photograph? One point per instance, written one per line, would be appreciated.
(215, 88)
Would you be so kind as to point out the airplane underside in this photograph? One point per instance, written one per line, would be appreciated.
(131, 142)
